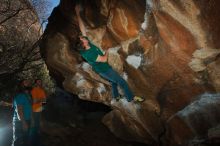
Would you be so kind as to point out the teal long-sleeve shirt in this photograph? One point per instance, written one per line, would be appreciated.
(91, 55)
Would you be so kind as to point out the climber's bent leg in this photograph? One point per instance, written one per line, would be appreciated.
(114, 77)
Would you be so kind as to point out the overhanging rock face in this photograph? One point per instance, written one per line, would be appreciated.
(168, 51)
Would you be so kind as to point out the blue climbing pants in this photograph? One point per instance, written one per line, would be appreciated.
(116, 80)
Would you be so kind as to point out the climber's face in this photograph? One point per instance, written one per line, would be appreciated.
(84, 41)
(38, 82)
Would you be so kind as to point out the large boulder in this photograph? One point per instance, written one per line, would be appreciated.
(166, 50)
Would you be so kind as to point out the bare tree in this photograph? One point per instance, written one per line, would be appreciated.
(20, 34)
(42, 7)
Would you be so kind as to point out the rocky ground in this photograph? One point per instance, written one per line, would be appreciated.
(68, 121)
(89, 133)
(73, 122)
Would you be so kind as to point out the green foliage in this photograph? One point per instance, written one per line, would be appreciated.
(40, 73)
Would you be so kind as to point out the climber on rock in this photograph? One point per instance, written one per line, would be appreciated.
(99, 62)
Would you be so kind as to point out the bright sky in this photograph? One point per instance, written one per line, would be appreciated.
(54, 4)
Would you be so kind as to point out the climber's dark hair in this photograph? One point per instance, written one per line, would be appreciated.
(79, 44)
(85, 37)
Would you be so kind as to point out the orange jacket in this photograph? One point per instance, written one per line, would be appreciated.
(37, 94)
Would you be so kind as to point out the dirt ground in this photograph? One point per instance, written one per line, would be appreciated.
(67, 125)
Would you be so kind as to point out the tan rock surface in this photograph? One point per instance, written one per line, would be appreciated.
(154, 45)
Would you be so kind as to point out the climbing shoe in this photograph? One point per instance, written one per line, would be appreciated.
(118, 98)
(138, 99)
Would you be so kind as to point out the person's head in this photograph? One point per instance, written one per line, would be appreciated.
(82, 42)
(23, 85)
(38, 82)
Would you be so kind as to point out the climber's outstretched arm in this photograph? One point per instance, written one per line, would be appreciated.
(80, 21)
